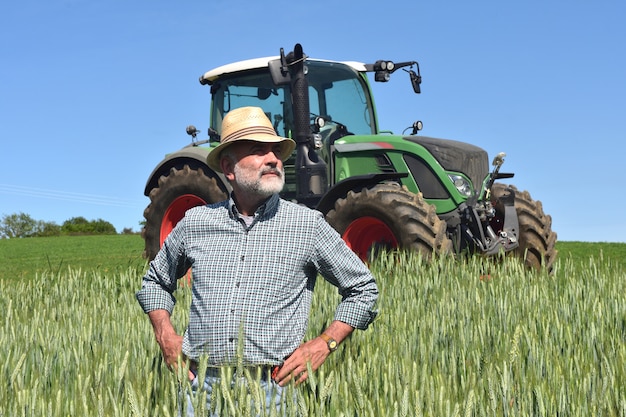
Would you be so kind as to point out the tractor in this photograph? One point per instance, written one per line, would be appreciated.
(377, 189)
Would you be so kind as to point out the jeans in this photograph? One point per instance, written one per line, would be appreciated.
(226, 403)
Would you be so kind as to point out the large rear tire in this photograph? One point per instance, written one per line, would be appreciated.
(536, 238)
(176, 193)
(389, 216)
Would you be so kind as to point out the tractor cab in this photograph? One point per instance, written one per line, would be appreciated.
(339, 95)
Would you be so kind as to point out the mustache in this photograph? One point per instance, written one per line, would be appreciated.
(275, 171)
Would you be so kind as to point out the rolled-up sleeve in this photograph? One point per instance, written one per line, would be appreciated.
(159, 282)
(354, 281)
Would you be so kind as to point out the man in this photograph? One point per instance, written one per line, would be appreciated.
(254, 261)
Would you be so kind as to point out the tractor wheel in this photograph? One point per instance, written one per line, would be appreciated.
(536, 238)
(177, 192)
(389, 216)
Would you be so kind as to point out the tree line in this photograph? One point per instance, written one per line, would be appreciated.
(20, 225)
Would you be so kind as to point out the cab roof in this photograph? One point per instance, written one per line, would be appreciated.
(257, 63)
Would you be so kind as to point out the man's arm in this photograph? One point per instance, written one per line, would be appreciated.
(314, 351)
(170, 342)
(342, 268)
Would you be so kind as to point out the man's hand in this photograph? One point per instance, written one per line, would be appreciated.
(170, 342)
(171, 348)
(315, 351)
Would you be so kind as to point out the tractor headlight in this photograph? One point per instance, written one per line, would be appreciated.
(461, 184)
(383, 70)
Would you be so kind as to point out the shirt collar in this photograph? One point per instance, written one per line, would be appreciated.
(265, 210)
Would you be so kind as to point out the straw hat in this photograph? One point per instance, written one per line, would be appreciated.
(248, 123)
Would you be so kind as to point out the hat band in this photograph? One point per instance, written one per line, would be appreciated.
(249, 131)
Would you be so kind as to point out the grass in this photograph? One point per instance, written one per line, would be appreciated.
(73, 340)
(24, 258)
(601, 251)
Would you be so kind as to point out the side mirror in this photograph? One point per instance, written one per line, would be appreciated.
(279, 70)
(416, 80)
(279, 77)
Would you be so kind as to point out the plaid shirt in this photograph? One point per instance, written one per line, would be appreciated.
(255, 281)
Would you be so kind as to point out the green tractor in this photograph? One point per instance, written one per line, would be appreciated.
(377, 189)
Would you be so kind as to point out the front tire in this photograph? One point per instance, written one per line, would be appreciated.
(176, 193)
(390, 216)
(536, 238)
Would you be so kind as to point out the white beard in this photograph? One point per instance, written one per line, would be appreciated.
(255, 183)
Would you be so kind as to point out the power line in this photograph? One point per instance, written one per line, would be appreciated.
(69, 196)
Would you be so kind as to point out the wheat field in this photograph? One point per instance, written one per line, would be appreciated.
(472, 338)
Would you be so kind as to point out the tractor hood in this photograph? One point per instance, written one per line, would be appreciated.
(457, 156)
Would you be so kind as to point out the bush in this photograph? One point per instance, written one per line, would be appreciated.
(81, 226)
(47, 229)
(19, 225)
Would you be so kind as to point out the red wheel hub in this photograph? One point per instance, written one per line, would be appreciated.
(367, 232)
(176, 211)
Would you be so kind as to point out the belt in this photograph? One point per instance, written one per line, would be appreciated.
(265, 372)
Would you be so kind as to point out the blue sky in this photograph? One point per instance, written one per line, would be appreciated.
(93, 94)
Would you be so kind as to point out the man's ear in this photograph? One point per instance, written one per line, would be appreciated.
(227, 165)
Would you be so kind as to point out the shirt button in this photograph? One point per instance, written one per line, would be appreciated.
(231, 339)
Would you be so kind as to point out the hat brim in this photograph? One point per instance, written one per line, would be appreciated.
(287, 147)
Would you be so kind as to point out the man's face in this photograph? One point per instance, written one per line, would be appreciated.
(256, 168)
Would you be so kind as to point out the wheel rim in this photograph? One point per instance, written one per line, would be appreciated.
(366, 233)
(176, 211)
